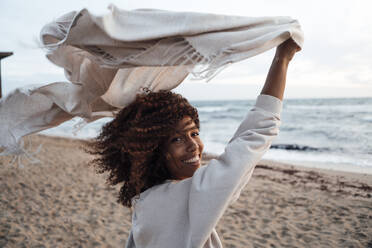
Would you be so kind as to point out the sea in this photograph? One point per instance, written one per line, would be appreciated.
(331, 134)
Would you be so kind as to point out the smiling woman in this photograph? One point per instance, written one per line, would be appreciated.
(153, 148)
(183, 150)
(144, 137)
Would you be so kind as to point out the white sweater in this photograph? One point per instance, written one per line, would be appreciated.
(183, 214)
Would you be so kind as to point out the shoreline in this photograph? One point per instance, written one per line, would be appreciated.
(332, 167)
(316, 165)
(61, 202)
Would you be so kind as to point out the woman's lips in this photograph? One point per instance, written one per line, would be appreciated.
(192, 161)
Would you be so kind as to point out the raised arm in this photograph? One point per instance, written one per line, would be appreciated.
(276, 78)
(215, 186)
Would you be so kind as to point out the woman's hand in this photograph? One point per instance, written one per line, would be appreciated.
(286, 50)
(276, 78)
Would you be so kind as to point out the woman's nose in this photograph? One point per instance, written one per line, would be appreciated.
(192, 145)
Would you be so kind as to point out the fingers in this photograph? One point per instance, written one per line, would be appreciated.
(292, 45)
(289, 44)
(287, 49)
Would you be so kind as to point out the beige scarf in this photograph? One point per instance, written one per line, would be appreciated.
(109, 59)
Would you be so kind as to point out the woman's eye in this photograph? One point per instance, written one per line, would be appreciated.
(195, 134)
(176, 139)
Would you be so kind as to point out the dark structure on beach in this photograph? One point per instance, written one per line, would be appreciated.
(3, 55)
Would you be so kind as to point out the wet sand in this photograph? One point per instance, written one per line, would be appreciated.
(60, 202)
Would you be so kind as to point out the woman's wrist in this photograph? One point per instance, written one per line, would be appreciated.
(282, 60)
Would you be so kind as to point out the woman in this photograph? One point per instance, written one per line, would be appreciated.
(153, 147)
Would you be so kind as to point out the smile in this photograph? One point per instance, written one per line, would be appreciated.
(191, 160)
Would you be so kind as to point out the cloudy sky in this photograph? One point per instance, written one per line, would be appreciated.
(336, 60)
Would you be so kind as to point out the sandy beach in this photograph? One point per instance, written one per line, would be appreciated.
(61, 202)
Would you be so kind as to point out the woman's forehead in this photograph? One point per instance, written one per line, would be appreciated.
(186, 124)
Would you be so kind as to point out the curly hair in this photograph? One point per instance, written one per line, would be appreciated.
(129, 147)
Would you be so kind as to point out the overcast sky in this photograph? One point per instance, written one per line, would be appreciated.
(336, 60)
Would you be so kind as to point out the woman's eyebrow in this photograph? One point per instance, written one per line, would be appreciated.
(189, 128)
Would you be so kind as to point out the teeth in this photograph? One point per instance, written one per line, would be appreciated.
(192, 160)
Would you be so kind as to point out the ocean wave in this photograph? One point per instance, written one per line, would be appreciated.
(212, 109)
(295, 147)
(320, 160)
(342, 108)
(222, 109)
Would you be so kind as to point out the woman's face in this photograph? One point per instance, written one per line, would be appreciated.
(183, 150)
